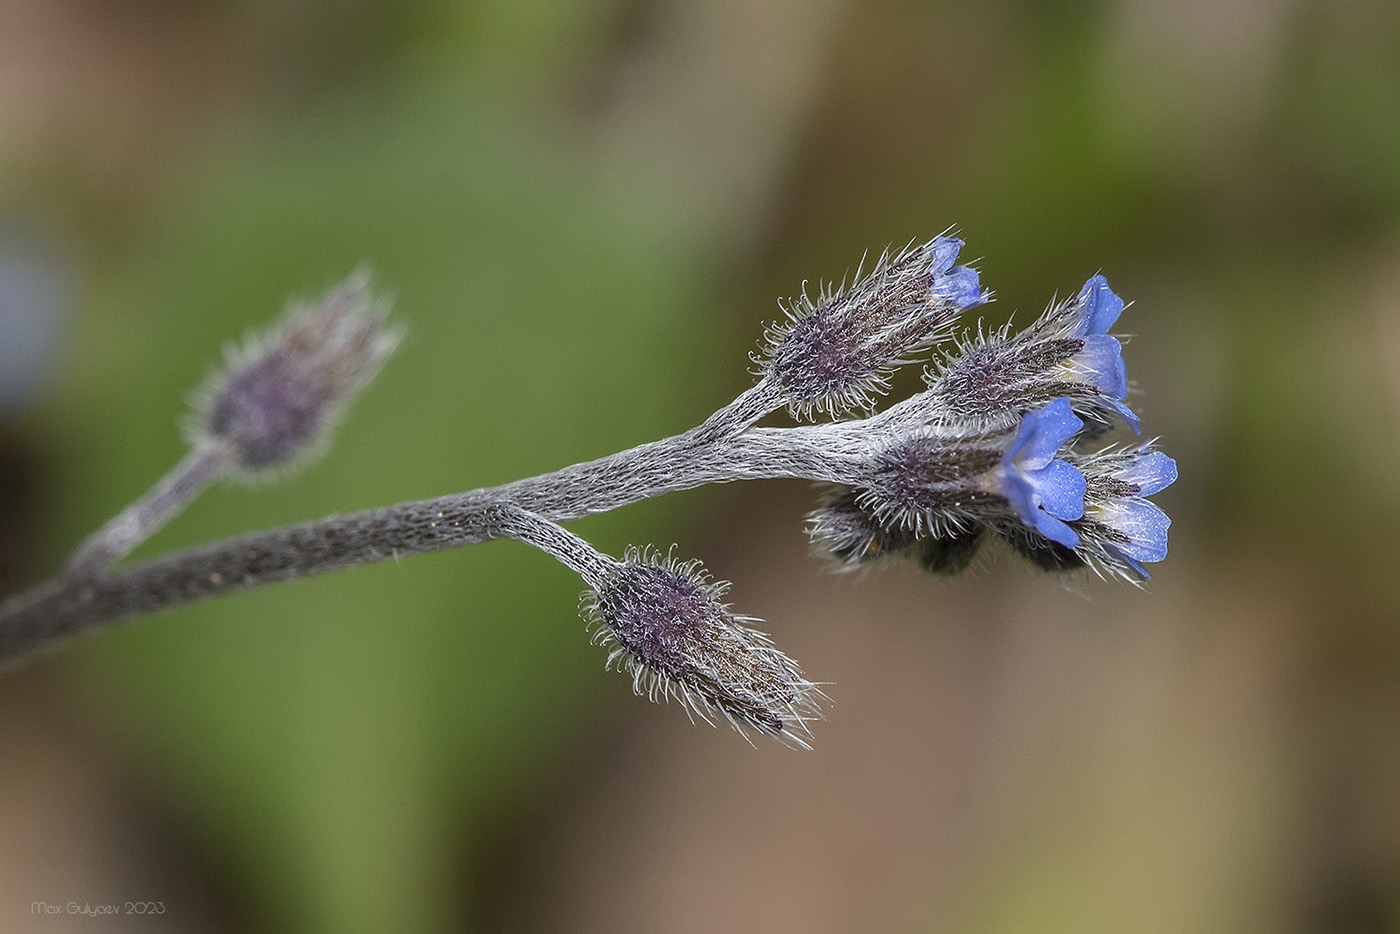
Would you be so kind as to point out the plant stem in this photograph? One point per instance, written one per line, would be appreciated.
(61, 608)
(143, 518)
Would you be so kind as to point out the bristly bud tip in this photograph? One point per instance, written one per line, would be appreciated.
(275, 400)
(664, 623)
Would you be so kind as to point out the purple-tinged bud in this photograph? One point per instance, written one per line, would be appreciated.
(844, 529)
(930, 485)
(278, 396)
(835, 354)
(271, 405)
(1045, 492)
(663, 622)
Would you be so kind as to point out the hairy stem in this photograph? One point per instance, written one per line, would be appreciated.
(63, 607)
(145, 517)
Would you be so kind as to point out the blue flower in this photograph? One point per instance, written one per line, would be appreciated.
(958, 286)
(1143, 524)
(942, 253)
(1099, 362)
(1046, 493)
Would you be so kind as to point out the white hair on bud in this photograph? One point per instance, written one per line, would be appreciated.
(663, 622)
(273, 404)
(835, 354)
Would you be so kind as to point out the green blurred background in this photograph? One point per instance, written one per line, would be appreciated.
(585, 212)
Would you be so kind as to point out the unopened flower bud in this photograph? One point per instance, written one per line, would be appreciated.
(663, 622)
(853, 535)
(278, 396)
(933, 485)
(272, 404)
(834, 354)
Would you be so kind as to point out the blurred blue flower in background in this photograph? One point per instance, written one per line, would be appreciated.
(35, 301)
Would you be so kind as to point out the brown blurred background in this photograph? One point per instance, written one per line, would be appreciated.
(586, 212)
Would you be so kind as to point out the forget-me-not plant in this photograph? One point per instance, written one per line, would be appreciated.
(994, 448)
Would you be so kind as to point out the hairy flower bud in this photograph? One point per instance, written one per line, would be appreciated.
(832, 355)
(271, 405)
(663, 621)
(991, 379)
(853, 535)
(277, 396)
(930, 484)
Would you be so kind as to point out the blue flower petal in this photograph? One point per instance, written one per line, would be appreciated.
(1098, 307)
(942, 253)
(1043, 432)
(1150, 473)
(1020, 492)
(1100, 363)
(1128, 414)
(960, 286)
(1144, 524)
(1055, 530)
(1023, 494)
(1131, 563)
(1059, 489)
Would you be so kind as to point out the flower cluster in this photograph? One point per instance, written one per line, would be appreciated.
(991, 450)
(988, 451)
